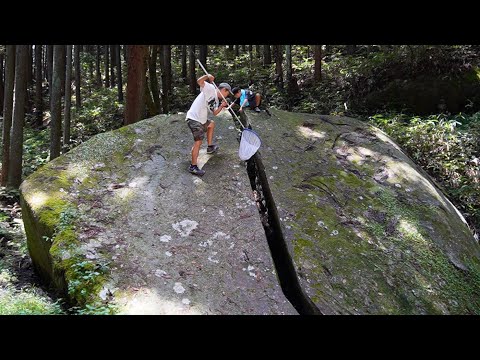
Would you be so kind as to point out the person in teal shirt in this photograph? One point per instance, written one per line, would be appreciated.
(245, 97)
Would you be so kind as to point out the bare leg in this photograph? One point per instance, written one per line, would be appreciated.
(195, 151)
(210, 128)
(258, 99)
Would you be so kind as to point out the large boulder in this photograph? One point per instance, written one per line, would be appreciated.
(369, 232)
(119, 220)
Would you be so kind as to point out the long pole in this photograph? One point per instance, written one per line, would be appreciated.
(216, 87)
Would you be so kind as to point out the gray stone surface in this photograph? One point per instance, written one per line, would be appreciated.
(173, 243)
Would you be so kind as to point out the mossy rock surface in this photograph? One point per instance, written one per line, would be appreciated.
(119, 220)
(369, 232)
(119, 224)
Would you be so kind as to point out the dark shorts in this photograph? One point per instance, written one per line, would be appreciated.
(198, 129)
(252, 102)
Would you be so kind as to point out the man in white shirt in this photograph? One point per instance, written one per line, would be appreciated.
(197, 117)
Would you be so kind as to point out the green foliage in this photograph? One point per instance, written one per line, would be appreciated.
(35, 149)
(447, 147)
(100, 112)
(27, 302)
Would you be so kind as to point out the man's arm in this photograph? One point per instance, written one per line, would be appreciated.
(217, 110)
(201, 80)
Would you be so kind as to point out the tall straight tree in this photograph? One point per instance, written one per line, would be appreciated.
(38, 86)
(97, 67)
(49, 67)
(63, 58)
(203, 54)
(56, 102)
(237, 50)
(184, 64)
(166, 63)
(107, 63)
(68, 99)
(2, 86)
(112, 66)
(135, 103)
(119, 75)
(18, 118)
(288, 58)
(7, 111)
(152, 71)
(267, 56)
(257, 51)
(192, 73)
(78, 96)
(317, 75)
(30, 65)
(278, 65)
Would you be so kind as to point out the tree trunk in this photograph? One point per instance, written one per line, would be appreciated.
(38, 87)
(7, 110)
(237, 50)
(112, 66)
(184, 64)
(2, 86)
(167, 88)
(98, 70)
(107, 67)
(250, 55)
(119, 76)
(30, 65)
(152, 71)
(50, 67)
(135, 105)
(203, 54)
(56, 102)
(191, 64)
(78, 96)
(18, 119)
(267, 56)
(278, 66)
(68, 99)
(45, 62)
(63, 64)
(351, 49)
(257, 51)
(151, 109)
(318, 63)
(288, 58)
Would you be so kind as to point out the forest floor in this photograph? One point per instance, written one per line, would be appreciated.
(21, 290)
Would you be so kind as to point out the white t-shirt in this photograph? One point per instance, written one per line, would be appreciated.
(206, 101)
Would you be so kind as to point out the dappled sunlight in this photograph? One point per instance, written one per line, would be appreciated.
(138, 182)
(401, 173)
(311, 134)
(203, 158)
(124, 193)
(364, 151)
(80, 170)
(147, 301)
(410, 231)
(38, 199)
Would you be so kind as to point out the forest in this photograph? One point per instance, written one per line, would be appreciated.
(54, 98)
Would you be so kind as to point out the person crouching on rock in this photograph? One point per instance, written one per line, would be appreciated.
(197, 117)
(245, 97)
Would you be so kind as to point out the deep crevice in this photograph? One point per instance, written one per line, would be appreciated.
(282, 260)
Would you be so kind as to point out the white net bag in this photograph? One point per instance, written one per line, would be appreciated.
(249, 144)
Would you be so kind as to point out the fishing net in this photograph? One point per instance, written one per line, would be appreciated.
(249, 144)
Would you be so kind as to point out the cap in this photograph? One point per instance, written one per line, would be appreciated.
(225, 86)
